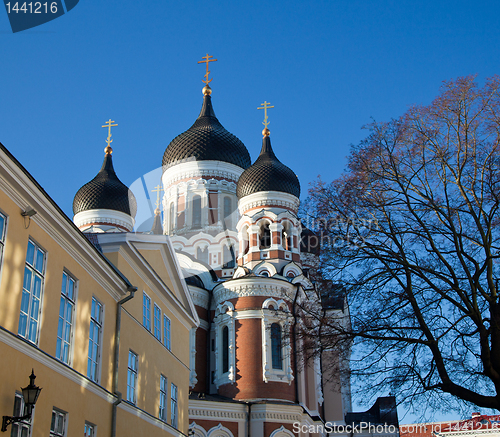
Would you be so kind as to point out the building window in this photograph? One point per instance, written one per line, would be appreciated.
(173, 406)
(276, 347)
(225, 349)
(228, 257)
(58, 424)
(34, 271)
(23, 428)
(228, 210)
(163, 398)
(146, 311)
(66, 311)
(196, 212)
(213, 207)
(157, 322)
(166, 332)
(171, 216)
(94, 340)
(132, 377)
(3, 224)
(265, 237)
(89, 430)
(202, 254)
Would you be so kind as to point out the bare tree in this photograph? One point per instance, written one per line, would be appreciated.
(411, 232)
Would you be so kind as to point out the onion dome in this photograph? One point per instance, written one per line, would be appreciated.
(267, 174)
(105, 191)
(206, 140)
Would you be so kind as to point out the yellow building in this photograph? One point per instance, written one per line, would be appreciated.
(103, 319)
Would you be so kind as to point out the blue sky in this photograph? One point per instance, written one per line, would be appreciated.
(328, 67)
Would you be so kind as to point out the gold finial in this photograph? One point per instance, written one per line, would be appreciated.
(265, 106)
(108, 150)
(206, 61)
(158, 189)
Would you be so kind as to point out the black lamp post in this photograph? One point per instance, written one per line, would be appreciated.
(30, 396)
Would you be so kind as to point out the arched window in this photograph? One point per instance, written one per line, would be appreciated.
(276, 346)
(225, 349)
(265, 237)
(286, 237)
(196, 212)
(202, 254)
(227, 211)
(228, 257)
(245, 241)
(171, 216)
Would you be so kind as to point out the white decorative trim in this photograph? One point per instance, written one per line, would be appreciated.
(254, 286)
(200, 297)
(219, 431)
(268, 198)
(278, 305)
(224, 317)
(284, 374)
(196, 430)
(190, 169)
(282, 432)
(103, 216)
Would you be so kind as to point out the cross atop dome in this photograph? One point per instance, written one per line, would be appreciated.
(206, 60)
(108, 148)
(265, 106)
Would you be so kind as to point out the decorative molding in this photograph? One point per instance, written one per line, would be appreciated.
(192, 358)
(219, 431)
(282, 432)
(104, 216)
(268, 199)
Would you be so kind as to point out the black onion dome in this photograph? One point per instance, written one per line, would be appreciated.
(267, 174)
(105, 191)
(206, 140)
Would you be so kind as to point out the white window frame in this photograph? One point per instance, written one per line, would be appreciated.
(157, 326)
(29, 297)
(162, 414)
(132, 373)
(224, 317)
(24, 424)
(167, 332)
(146, 311)
(65, 338)
(276, 312)
(95, 365)
(173, 405)
(55, 430)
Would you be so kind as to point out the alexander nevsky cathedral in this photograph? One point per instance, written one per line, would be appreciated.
(247, 261)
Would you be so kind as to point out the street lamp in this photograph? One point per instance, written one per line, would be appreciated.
(30, 396)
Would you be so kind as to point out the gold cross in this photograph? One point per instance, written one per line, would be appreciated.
(158, 189)
(108, 124)
(206, 61)
(265, 106)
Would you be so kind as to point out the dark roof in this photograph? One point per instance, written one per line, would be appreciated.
(384, 411)
(105, 191)
(267, 174)
(206, 140)
(309, 242)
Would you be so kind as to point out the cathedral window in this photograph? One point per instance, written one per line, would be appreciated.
(227, 212)
(196, 212)
(202, 254)
(245, 240)
(225, 349)
(171, 217)
(265, 236)
(213, 207)
(286, 236)
(228, 257)
(276, 346)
